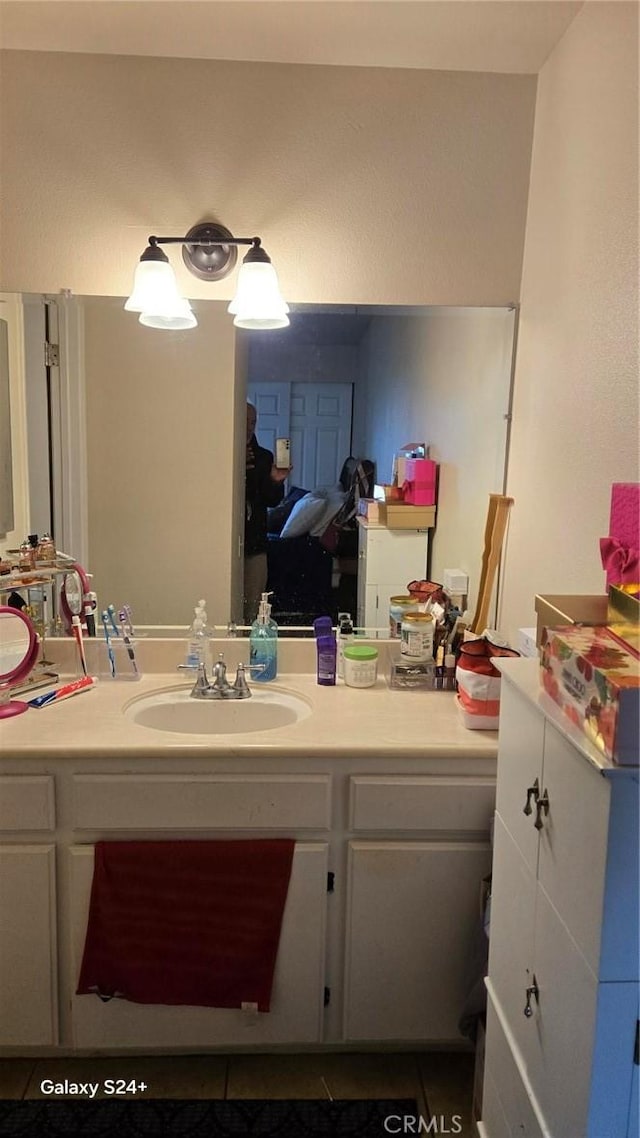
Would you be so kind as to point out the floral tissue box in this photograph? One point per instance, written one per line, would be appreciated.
(596, 681)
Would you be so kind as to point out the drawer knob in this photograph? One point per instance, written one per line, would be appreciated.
(534, 991)
(542, 807)
(532, 792)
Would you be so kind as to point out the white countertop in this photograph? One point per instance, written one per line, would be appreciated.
(344, 721)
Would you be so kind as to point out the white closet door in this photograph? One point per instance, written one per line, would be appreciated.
(317, 419)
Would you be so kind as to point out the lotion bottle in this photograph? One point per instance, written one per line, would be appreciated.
(263, 644)
(345, 636)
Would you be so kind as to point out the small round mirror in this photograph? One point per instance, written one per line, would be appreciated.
(75, 586)
(18, 654)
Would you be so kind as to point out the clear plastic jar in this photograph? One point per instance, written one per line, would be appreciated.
(416, 636)
(360, 665)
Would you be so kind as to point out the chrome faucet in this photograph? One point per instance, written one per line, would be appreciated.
(220, 688)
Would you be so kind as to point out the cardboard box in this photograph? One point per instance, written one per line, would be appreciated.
(558, 610)
(401, 516)
(369, 508)
(595, 679)
(623, 616)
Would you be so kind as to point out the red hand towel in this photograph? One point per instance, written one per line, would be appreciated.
(186, 922)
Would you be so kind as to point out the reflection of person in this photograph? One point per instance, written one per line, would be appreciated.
(264, 487)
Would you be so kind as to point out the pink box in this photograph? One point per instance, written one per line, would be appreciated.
(624, 519)
(620, 551)
(420, 481)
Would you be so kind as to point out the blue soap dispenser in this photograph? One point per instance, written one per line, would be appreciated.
(263, 644)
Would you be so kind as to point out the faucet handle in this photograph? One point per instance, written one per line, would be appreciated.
(202, 684)
(240, 684)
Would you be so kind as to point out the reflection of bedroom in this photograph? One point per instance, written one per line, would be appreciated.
(365, 383)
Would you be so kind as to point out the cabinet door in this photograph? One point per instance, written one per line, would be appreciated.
(521, 747)
(560, 1033)
(395, 555)
(511, 1110)
(28, 989)
(413, 915)
(511, 930)
(296, 1014)
(573, 842)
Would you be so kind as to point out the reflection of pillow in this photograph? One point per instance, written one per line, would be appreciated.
(303, 516)
(332, 502)
(278, 515)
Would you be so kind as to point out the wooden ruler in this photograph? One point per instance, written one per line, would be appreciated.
(494, 531)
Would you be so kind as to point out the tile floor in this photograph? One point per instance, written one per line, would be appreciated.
(440, 1082)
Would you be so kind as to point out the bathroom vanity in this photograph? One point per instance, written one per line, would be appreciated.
(390, 802)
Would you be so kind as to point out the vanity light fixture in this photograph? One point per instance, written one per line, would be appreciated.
(210, 252)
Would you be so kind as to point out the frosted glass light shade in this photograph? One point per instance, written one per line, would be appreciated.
(258, 302)
(155, 296)
(181, 317)
(154, 287)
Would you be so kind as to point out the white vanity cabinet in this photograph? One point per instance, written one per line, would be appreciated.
(413, 904)
(387, 560)
(28, 940)
(383, 900)
(563, 961)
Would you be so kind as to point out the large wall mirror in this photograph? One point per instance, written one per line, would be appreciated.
(162, 460)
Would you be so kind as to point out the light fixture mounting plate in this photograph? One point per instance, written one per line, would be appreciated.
(209, 262)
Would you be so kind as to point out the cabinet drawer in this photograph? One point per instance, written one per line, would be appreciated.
(457, 805)
(167, 802)
(514, 1100)
(26, 803)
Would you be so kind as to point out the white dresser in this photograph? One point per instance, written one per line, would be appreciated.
(563, 993)
(387, 560)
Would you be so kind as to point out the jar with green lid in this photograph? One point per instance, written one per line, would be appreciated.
(398, 606)
(360, 665)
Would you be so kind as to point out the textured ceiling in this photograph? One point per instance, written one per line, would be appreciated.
(457, 35)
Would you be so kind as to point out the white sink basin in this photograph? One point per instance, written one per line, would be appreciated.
(175, 710)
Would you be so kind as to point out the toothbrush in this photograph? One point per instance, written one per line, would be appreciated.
(126, 609)
(76, 629)
(122, 617)
(112, 617)
(112, 659)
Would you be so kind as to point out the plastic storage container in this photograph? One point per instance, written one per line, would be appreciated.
(360, 665)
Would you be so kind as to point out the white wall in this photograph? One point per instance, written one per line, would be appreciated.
(272, 362)
(442, 379)
(575, 427)
(367, 185)
(376, 186)
(162, 455)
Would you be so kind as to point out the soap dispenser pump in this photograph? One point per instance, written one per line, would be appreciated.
(263, 644)
(197, 642)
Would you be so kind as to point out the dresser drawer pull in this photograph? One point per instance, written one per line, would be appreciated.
(534, 991)
(542, 805)
(532, 792)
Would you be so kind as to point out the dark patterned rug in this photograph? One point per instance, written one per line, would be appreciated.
(170, 1118)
